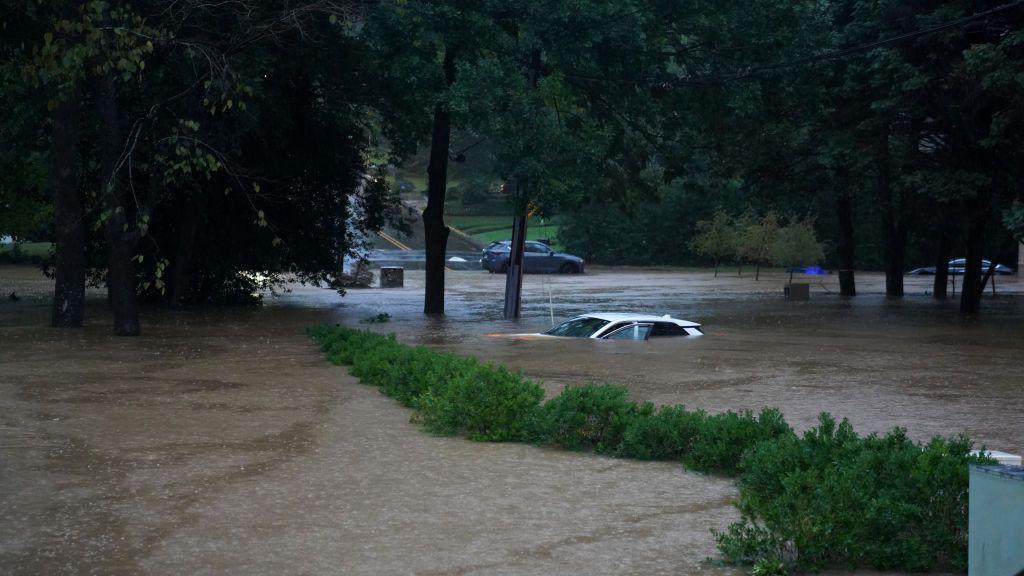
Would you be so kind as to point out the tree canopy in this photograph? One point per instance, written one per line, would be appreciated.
(190, 151)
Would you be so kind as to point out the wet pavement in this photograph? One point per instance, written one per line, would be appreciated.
(221, 442)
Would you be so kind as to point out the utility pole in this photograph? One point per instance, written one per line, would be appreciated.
(514, 273)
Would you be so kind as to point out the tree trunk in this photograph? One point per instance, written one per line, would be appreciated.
(970, 287)
(120, 244)
(939, 288)
(716, 267)
(894, 262)
(893, 229)
(434, 229)
(182, 266)
(844, 214)
(69, 284)
(757, 274)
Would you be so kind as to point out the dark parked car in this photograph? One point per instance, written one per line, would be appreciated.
(537, 257)
(956, 268)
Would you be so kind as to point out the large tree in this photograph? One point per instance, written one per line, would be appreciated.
(418, 49)
(185, 94)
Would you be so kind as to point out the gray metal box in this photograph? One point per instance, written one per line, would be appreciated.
(996, 524)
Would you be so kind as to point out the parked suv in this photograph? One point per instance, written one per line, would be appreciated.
(537, 257)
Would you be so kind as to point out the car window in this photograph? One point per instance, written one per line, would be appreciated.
(631, 332)
(668, 329)
(578, 327)
(536, 247)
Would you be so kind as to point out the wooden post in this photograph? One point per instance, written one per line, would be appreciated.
(514, 272)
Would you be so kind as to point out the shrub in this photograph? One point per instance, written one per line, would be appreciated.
(482, 403)
(724, 438)
(342, 345)
(422, 371)
(373, 365)
(833, 498)
(452, 395)
(590, 417)
(666, 434)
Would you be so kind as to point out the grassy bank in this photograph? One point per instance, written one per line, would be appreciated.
(826, 498)
(25, 252)
(487, 229)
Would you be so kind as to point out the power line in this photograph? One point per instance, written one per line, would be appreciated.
(836, 54)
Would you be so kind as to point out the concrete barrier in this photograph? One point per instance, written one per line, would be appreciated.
(797, 291)
(392, 277)
(996, 521)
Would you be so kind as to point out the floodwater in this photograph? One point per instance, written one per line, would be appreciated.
(915, 363)
(221, 442)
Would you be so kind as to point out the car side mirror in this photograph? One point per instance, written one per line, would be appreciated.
(551, 252)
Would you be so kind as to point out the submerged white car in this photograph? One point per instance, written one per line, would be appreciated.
(620, 326)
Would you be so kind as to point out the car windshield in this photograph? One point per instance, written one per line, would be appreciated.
(578, 327)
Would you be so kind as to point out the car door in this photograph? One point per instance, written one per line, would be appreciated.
(551, 263)
(536, 258)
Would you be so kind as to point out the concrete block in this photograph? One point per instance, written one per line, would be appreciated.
(797, 291)
(996, 521)
(392, 277)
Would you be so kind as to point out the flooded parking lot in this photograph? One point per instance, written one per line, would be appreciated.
(915, 363)
(221, 442)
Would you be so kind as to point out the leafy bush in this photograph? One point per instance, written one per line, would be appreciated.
(585, 417)
(724, 438)
(833, 498)
(421, 371)
(342, 345)
(482, 403)
(374, 365)
(666, 434)
(452, 395)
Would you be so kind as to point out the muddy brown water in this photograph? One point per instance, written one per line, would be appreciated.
(221, 442)
(914, 363)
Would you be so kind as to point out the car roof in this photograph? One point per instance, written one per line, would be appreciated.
(630, 317)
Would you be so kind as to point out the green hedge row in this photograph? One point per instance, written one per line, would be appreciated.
(826, 498)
